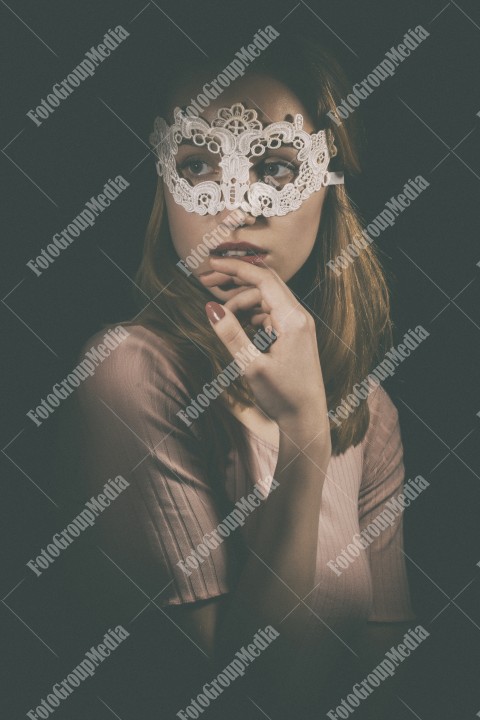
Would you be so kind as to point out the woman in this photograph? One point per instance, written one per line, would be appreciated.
(268, 202)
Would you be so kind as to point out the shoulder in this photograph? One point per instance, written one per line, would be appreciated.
(129, 357)
(384, 416)
(131, 340)
(130, 346)
(382, 444)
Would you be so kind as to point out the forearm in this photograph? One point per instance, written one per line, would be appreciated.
(280, 568)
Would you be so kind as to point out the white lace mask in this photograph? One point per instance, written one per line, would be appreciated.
(227, 146)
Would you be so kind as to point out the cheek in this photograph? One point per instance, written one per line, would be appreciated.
(308, 222)
(311, 211)
(299, 229)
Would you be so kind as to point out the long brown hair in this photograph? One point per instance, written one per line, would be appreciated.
(351, 310)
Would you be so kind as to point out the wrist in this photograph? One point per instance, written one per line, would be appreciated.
(306, 427)
(311, 413)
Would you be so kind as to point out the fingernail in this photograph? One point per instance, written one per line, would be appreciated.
(215, 312)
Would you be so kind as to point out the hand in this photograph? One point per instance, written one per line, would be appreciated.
(287, 379)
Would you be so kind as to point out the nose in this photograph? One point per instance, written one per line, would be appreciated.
(235, 218)
(247, 219)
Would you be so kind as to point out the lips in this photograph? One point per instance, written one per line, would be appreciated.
(241, 250)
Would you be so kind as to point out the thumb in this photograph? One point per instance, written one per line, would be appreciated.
(227, 327)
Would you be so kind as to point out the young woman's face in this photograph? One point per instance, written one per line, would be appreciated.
(288, 240)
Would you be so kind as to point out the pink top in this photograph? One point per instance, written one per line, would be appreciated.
(128, 412)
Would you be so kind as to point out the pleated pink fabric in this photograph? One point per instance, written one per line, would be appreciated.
(130, 428)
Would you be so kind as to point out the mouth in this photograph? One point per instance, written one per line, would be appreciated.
(242, 251)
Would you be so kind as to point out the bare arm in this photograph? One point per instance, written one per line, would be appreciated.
(280, 568)
(279, 571)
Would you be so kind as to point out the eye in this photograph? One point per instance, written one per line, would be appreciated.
(281, 171)
(197, 169)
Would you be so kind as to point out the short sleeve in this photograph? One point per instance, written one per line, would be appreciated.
(127, 416)
(382, 480)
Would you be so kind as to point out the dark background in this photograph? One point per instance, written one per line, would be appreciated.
(424, 120)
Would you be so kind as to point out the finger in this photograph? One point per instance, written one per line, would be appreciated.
(245, 300)
(227, 328)
(214, 278)
(274, 291)
(217, 279)
(261, 319)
